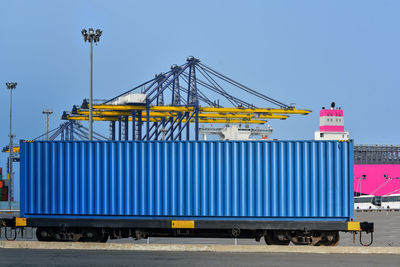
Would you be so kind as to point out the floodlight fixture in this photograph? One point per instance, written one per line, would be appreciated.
(11, 85)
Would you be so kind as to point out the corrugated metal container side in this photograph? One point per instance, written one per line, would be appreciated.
(285, 180)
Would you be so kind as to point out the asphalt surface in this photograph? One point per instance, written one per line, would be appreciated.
(387, 233)
(18, 257)
(387, 228)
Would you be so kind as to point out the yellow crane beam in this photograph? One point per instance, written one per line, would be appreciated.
(201, 120)
(255, 110)
(203, 109)
(124, 113)
(174, 114)
(15, 150)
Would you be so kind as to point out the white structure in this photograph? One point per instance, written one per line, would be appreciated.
(370, 202)
(331, 125)
(131, 98)
(234, 132)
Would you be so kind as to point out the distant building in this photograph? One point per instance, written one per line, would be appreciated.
(376, 170)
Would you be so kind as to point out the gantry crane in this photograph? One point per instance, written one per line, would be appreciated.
(67, 131)
(165, 106)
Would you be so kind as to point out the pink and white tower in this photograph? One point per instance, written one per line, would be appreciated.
(331, 124)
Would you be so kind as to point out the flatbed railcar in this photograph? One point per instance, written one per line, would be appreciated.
(284, 191)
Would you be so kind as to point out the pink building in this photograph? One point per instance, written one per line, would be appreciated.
(376, 168)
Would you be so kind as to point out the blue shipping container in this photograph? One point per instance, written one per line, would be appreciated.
(214, 180)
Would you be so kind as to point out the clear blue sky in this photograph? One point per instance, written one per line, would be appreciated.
(304, 52)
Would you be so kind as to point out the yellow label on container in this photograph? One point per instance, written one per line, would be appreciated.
(183, 224)
(20, 221)
(353, 226)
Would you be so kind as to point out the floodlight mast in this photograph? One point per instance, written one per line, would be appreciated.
(11, 86)
(47, 112)
(91, 37)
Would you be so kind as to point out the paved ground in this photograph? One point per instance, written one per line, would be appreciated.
(18, 257)
(387, 233)
(387, 226)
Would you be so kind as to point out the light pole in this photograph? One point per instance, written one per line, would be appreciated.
(363, 177)
(48, 112)
(91, 37)
(11, 87)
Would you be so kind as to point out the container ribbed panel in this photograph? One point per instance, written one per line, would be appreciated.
(213, 179)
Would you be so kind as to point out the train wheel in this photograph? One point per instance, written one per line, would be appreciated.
(44, 234)
(93, 235)
(271, 238)
(105, 238)
(331, 239)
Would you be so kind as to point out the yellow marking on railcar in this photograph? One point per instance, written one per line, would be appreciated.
(353, 226)
(182, 224)
(20, 221)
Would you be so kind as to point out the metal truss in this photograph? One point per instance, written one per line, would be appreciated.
(67, 131)
(191, 93)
